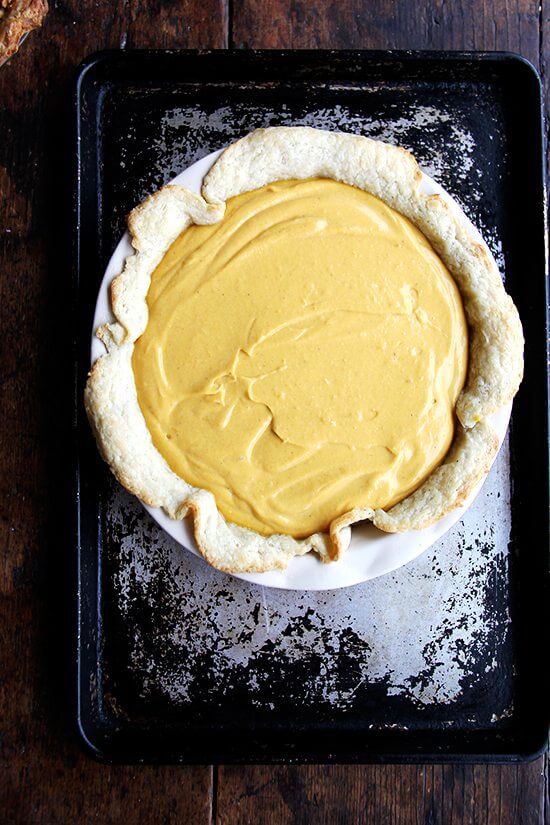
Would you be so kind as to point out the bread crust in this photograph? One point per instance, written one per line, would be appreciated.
(18, 18)
(495, 357)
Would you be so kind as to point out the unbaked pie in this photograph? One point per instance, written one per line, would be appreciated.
(312, 342)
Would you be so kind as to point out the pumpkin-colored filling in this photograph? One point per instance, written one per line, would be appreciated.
(302, 357)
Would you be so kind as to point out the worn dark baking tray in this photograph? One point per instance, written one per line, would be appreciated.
(180, 663)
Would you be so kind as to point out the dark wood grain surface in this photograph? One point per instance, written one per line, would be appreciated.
(45, 775)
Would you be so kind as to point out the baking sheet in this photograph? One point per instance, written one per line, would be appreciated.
(425, 661)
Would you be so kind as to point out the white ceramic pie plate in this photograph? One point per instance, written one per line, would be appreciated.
(371, 553)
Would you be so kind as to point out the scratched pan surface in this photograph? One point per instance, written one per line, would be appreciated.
(444, 659)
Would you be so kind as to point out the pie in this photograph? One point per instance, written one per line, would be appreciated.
(310, 343)
(18, 18)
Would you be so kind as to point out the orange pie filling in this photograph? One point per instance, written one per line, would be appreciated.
(302, 357)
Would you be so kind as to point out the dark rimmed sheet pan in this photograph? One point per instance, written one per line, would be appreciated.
(445, 659)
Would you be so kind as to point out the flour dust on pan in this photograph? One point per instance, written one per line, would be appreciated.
(429, 634)
(426, 644)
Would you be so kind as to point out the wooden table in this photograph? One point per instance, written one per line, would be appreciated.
(46, 777)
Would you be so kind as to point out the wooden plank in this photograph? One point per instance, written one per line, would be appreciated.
(396, 794)
(386, 24)
(492, 794)
(63, 790)
(176, 25)
(46, 777)
(323, 795)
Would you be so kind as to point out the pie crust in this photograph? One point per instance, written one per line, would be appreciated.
(495, 366)
(18, 18)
